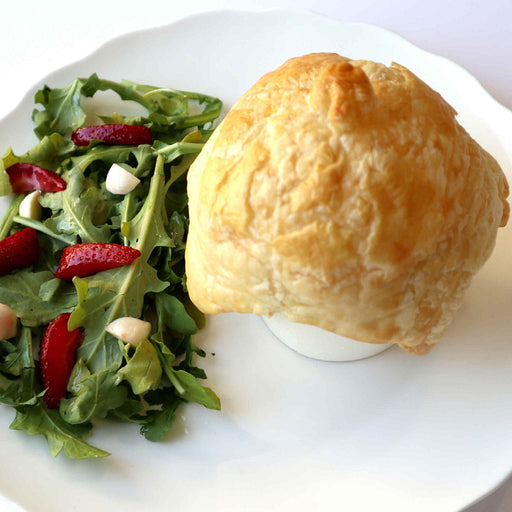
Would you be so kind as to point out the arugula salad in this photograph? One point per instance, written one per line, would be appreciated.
(97, 320)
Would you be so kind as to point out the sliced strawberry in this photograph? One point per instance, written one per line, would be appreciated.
(85, 259)
(113, 134)
(29, 177)
(19, 250)
(56, 358)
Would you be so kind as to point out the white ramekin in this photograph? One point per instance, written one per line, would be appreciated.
(317, 343)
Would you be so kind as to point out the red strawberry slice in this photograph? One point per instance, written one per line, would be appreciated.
(19, 250)
(113, 134)
(85, 259)
(56, 358)
(29, 177)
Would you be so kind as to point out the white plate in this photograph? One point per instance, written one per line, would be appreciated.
(394, 432)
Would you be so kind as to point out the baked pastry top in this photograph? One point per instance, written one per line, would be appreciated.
(343, 194)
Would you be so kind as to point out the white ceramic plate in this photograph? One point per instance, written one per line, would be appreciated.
(394, 432)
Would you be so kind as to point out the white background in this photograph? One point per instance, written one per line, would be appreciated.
(38, 37)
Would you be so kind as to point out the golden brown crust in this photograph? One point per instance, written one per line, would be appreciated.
(343, 194)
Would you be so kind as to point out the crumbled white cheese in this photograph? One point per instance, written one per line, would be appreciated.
(8, 322)
(120, 181)
(30, 206)
(129, 329)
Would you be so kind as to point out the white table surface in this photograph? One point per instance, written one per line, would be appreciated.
(38, 37)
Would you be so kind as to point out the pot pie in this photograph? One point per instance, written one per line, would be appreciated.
(345, 195)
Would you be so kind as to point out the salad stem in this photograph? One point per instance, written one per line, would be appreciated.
(9, 216)
(39, 226)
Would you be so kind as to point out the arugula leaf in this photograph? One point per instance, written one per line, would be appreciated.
(10, 395)
(77, 318)
(11, 362)
(48, 153)
(21, 291)
(61, 112)
(78, 374)
(186, 384)
(20, 363)
(147, 229)
(93, 397)
(46, 229)
(157, 422)
(59, 434)
(59, 293)
(74, 209)
(10, 213)
(189, 389)
(187, 361)
(173, 314)
(5, 183)
(106, 155)
(34, 417)
(128, 411)
(178, 227)
(143, 370)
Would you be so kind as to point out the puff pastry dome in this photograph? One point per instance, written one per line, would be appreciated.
(343, 194)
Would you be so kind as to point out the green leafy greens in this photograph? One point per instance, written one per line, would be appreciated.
(144, 385)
